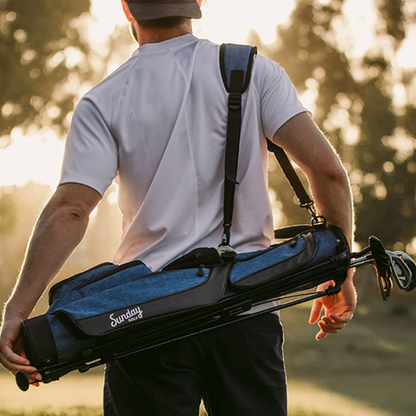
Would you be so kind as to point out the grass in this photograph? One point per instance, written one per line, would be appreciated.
(371, 361)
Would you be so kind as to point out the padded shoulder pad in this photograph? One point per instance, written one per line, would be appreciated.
(236, 57)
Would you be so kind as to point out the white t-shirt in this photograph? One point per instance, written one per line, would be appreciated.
(157, 126)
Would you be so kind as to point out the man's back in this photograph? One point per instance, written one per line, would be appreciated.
(161, 124)
(161, 121)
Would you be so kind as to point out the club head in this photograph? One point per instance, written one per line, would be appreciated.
(403, 270)
(382, 266)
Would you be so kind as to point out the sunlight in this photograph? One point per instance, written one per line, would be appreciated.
(222, 21)
(106, 14)
(36, 158)
(232, 20)
(406, 57)
(361, 20)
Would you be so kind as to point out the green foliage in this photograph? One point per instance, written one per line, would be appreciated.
(409, 120)
(392, 13)
(356, 93)
(40, 46)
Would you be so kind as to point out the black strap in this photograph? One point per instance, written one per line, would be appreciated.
(236, 77)
(232, 151)
(235, 64)
(305, 201)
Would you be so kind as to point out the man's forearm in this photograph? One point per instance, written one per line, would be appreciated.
(58, 231)
(309, 148)
(333, 200)
(56, 235)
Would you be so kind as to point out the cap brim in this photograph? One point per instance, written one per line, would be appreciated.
(146, 11)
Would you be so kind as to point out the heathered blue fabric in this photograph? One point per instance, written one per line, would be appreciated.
(83, 278)
(259, 262)
(325, 243)
(127, 288)
(243, 256)
(68, 347)
(136, 292)
(236, 59)
(117, 279)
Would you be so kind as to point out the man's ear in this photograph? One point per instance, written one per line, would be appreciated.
(126, 10)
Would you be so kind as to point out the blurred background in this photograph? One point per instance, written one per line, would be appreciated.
(353, 63)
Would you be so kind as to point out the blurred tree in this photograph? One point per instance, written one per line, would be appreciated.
(42, 48)
(354, 105)
(8, 213)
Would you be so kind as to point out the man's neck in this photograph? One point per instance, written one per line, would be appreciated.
(159, 35)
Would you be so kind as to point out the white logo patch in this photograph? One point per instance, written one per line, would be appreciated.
(130, 315)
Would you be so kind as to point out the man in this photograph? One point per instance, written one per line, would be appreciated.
(158, 126)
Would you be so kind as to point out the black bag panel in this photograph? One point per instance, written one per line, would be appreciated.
(211, 291)
(39, 342)
(305, 250)
(205, 256)
(294, 254)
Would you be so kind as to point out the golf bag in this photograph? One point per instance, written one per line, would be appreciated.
(110, 302)
(111, 311)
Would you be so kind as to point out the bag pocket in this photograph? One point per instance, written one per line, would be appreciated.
(251, 270)
(154, 295)
(93, 281)
(66, 286)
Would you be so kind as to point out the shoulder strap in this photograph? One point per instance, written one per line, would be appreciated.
(235, 64)
(305, 200)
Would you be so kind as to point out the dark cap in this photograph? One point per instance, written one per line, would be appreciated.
(158, 9)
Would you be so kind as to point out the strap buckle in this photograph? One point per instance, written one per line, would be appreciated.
(226, 235)
(234, 101)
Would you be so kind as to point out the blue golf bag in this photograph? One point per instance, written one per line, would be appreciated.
(111, 311)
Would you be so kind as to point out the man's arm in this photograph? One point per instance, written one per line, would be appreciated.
(312, 152)
(58, 231)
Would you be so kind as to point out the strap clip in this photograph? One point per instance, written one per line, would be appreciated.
(226, 235)
(234, 101)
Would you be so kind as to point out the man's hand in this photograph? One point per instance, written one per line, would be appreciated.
(12, 355)
(338, 309)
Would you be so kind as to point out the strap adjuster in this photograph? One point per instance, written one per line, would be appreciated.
(226, 235)
(234, 101)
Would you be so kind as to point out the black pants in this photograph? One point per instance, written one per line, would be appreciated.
(238, 370)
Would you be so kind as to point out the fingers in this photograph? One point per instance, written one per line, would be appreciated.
(14, 362)
(315, 311)
(332, 324)
(11, 357)
(12, 354)
(34, 379)
(321, 335)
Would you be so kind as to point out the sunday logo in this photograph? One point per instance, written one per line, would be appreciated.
(130, 315)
